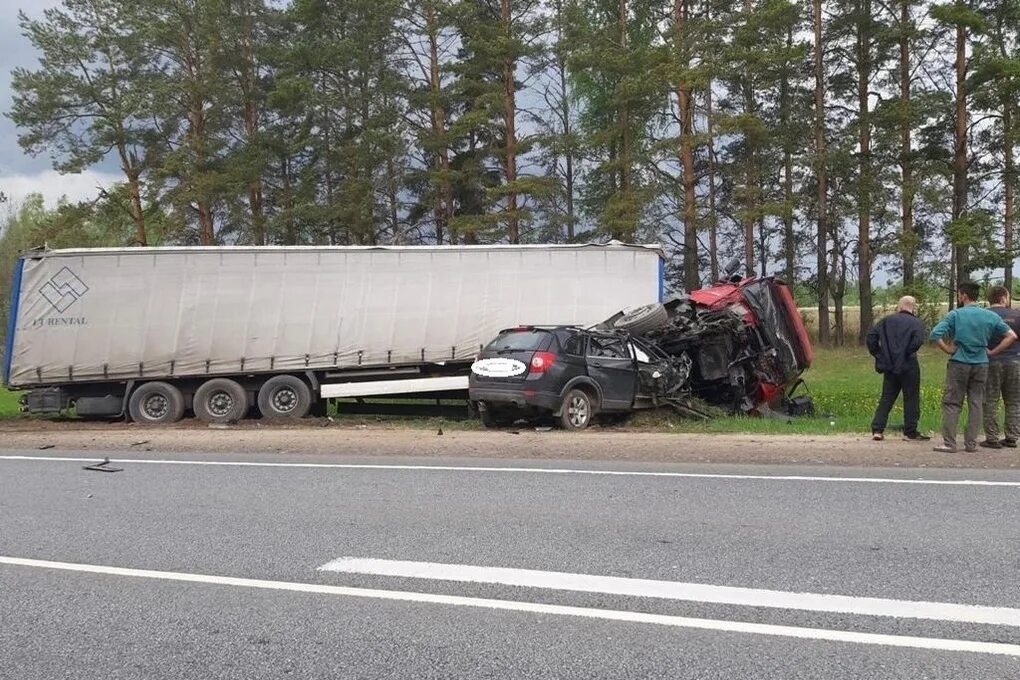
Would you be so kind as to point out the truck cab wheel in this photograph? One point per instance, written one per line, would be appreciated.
(220, 400)
(285, 396)
(156, 403)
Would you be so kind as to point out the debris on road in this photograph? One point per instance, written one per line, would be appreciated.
(46, 446)
(103, 467)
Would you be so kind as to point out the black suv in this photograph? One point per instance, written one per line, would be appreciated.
(570, 373)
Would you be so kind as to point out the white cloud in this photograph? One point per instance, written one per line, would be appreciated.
(54, 186)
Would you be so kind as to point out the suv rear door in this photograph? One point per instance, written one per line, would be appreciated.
(611, 365)
(507, 359)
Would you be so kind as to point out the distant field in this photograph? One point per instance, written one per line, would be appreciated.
(852, 317)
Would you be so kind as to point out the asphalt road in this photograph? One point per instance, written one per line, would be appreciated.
(216, 571)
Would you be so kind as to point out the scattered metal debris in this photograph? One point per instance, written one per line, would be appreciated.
(47, 446)
(103, 467)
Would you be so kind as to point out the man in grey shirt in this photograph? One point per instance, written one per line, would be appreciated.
(1003, 378)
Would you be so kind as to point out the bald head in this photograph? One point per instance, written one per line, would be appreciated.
(907, 304)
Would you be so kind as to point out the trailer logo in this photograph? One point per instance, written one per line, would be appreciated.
(63, 289)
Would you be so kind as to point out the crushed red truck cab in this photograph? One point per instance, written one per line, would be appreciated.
(744, 339)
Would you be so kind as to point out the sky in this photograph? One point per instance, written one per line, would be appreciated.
(20, 173)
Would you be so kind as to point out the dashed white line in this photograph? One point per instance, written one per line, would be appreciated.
(673, 590)
(939, 644)
(534, 470)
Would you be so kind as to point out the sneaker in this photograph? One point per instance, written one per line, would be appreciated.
(877, 436)
(971, 449)
(916, 437)
(1008, 443)
(991, 444)
(942, 448)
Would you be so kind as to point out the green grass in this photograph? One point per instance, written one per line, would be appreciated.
(845, 388)
(8, 403)
(843, 383)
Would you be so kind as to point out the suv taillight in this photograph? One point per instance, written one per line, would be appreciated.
(541, 362)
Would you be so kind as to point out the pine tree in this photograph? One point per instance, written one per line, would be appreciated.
(498, 43)
(427, 38)
(342, 56)
(996, 83)
(820, 165)
(613, 69)
(558, 142)
(91, 95)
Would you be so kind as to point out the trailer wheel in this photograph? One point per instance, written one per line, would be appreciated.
(220, 400)
(285, 396)
(156, 403)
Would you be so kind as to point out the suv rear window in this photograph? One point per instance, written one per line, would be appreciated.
(518, 341)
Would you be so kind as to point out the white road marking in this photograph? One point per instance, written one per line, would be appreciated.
(531, 470)
(673, 590)
(940, 644)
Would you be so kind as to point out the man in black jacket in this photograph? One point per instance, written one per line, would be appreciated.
(894, 342)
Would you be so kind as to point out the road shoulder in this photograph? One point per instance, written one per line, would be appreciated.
(521, 444)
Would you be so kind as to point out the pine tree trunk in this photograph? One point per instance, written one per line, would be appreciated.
(1009, 181)
(960, 152)
(908, 239)
(685, 109)
(750, 169)
(564, 113)
(509, 125)
(789, 236)
(251, 126)
(713, 230)
(626, 233)
(206, 230)
(290, 232)
(865, 169)
(839, 268)
(137, 214)
(442, 210)
(394, 202)
(196, 140)
(821, 172)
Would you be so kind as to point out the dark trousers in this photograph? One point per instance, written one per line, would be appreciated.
(963, 381)
(909, 384)
(1004, 383)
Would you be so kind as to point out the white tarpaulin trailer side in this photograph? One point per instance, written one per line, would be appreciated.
(117, 314)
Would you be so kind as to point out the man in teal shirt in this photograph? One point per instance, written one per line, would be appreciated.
(964, 335)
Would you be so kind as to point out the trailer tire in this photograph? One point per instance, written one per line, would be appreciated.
(220, 400)
(156, 403)
(644, 319)
(285, 396)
